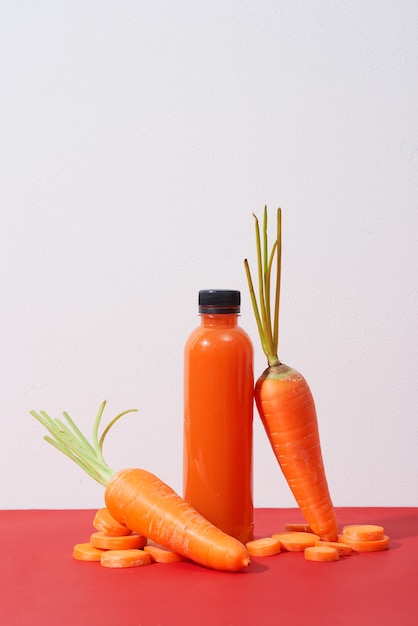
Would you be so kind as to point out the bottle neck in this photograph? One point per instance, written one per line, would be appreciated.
(219, 320)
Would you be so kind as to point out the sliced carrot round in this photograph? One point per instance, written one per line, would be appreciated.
(159, 554)
(125, 542)
(299, 528)
(321, 554)
(296, 541)
(106, 524)
(361, 532)
(86, 552)
(366, 545)
(343, 549)
(125, 558)
(266, 546)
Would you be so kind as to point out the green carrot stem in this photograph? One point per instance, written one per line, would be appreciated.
(263, 296)
(73, 442)
(265, 265)
(78, 432)
(278, 281)
(70, 441)
(268, 329)
(255, 308)
(109, 426)
(99, 473)
(96, 444)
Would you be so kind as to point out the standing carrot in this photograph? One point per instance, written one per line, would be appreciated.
(145, 504)
(285, 403)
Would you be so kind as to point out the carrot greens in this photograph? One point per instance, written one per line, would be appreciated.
(267, 324)
(67, 437)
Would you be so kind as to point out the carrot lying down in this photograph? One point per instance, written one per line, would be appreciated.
(143, 503)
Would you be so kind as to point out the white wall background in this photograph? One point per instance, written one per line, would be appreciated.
(136, 140)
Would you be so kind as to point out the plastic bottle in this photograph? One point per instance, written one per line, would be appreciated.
(218, 416)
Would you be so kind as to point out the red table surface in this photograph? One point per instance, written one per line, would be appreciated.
(40, 582)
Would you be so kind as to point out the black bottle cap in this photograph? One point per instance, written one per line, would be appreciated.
(219, 301)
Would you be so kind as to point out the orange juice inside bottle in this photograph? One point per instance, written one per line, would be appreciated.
(218, 415)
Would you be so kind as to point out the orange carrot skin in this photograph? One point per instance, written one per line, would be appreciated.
(148, 506)
(287, 410)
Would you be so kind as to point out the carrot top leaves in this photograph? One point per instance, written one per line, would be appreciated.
(66, 437)
(267, 324)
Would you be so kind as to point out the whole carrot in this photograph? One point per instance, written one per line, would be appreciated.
(284, 400)
(144, 503)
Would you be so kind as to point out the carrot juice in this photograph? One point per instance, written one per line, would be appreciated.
(218, 415)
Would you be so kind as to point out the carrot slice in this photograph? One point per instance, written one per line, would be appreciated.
(361, 532)
(321, 554)
(125, 558)
(296, 541)
(159, 554)
(126, 542)
(343, 549)
(366, 545)
(86, 552)
(299, 528)
(266, 546)
(106, 524)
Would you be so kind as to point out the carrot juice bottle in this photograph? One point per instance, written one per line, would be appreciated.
(218, 415)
